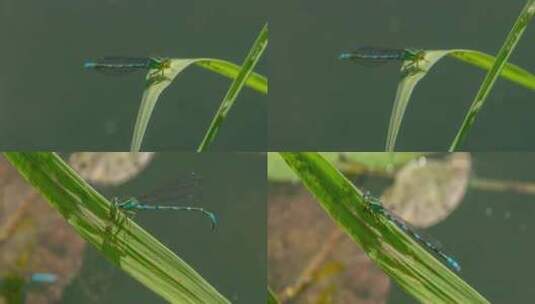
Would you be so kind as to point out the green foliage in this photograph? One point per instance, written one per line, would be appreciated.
(12, 289)
(496, 67)
(118, 238)
(247, 67)
(409, 81)
(403, 259)
(501, 60)
(272, 299)
(158, 80)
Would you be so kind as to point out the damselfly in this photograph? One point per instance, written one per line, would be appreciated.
(367, 55)
(43, 277)
(374, 206)
(132, 205)
(14, 286)
(124, 65)
(36, 277)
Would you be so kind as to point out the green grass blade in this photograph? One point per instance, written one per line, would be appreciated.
(272, 298)
(230, 70)
(407, 83)
(403, 259)
(247, 67)
(501, 59)
(155, 85)
(484, 61)
(403, 95)
(123, 242)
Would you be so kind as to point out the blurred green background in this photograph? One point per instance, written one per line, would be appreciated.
(50, 102)
(320, 103)
(232, 258)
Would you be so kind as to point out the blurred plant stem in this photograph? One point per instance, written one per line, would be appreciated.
(309, 274)
(478, 183)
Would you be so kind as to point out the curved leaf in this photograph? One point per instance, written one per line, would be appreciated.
(408, 81)
(484, 61)
(123, 242)
(156, 83)
(255, 81)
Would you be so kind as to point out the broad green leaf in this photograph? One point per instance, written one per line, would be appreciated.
(501, 60)
(119, 239)
(408, 81)
(402, 258)
(156, 83)
(247, 67)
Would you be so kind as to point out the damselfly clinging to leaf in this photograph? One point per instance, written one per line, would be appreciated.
(372, 55)
(124, 65)
(181, 191)
(132, 205)
(375, 207)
